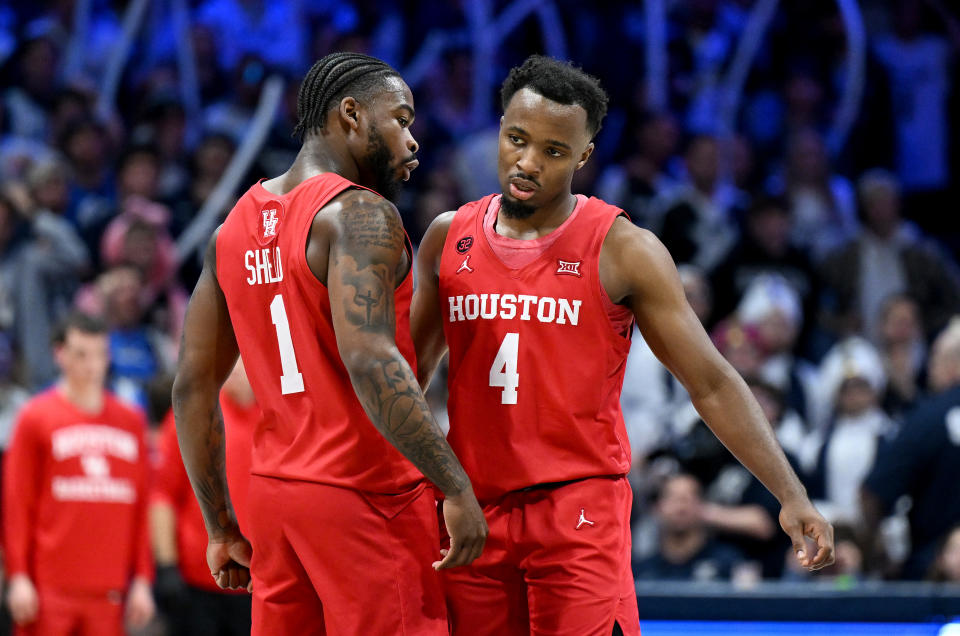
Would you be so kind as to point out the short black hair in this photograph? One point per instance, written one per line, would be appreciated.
(79, 321)
(331, 79)
(561, 82)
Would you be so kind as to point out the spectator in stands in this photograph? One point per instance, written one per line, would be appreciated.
(88, 148)
(886, 257)
(232, 114)
(139, 237)
(75, 500)
(923, 461)
(192, 600)
(634, 183)
(946, 568)
(771, 305)
(822, 203)
(766, 247)
(917, 65)
(686, 549)
(852, 382)
(697, 220)
(138, 351)
(29, 97)
(12, 228)
(50, 267)
(904, 352)
(207, 165)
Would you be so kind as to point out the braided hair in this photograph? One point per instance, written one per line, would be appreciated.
(329, 80)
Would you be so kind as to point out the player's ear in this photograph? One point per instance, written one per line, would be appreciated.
(348, 111)
(501, 121)
(586, 155)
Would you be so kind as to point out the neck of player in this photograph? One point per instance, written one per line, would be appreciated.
(86, 396)
(315, 157)
(544, 219)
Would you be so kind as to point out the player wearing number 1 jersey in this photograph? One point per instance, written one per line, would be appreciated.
(534, 291)
(309, 277)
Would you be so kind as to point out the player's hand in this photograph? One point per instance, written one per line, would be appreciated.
(22, 600)
(800, 520)
(140, 605)
(467, 529)
(229, 560)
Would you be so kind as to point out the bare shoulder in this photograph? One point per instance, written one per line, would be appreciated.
(362, 220)
(624, 235)
(431, 245)
(631, 259)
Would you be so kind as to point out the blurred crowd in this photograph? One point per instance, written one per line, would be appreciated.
(824, 268)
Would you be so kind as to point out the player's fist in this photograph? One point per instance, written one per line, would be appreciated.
(801, 520)
(22, 600)
(229, 560)
(467, 529)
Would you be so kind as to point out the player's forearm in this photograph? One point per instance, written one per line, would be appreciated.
(163, 537)
(427, 362)
(734, 415)
(202, 445)
(390, 394)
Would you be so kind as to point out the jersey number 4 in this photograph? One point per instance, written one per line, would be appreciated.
(503, 373)
(292, 380)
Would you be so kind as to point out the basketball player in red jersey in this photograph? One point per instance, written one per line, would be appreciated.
(535, 291)
(310, 278)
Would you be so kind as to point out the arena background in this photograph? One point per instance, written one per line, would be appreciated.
(761, 140)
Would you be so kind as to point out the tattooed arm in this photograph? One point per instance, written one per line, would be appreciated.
(208, 352)
(366, 260)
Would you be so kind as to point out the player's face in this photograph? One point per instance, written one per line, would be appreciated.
(542, 143)
(83, 358)
(391, 150)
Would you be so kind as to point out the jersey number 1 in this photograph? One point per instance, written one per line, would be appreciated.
(292, 380)
(504, 370)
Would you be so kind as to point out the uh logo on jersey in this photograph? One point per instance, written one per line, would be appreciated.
(271, 214)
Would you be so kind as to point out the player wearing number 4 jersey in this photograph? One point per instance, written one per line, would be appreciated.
(534, 292)
(309, 277)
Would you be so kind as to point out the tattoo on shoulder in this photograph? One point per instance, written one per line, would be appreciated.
(371, 224)
(373, 240)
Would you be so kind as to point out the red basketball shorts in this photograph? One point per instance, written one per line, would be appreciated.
(330, 560)
(556, 561)
(66, 614)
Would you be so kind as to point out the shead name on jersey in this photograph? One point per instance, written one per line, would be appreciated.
(514, 306)
(264, 266)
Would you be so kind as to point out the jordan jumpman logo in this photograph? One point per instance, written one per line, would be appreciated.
(465, 265)
(583, 520)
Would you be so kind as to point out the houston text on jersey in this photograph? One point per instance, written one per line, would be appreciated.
(510, 306)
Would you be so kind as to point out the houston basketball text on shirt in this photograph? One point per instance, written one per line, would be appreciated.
(264, 266)
(93, 443)
(562, 311)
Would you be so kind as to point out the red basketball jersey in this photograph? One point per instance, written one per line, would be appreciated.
(313, 427)
(536, 364)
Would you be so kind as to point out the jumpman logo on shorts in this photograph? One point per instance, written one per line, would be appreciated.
(465, 265)
(583, 520)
